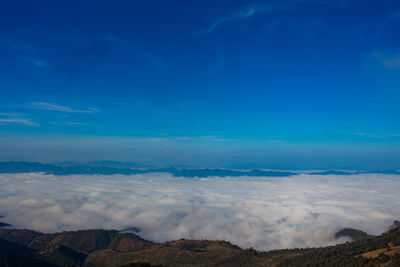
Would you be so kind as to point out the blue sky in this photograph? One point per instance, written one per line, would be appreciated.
(280, 84)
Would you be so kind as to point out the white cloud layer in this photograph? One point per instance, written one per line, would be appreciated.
(266, 213)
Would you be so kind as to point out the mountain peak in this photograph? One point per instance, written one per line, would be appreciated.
(395, 224)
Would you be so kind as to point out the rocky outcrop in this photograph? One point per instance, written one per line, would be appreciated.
(395, 224)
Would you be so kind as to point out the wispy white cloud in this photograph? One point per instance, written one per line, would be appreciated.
(218, 63)
(260, 9)
(20, 46)
(54, 107)
(15, 118)
(390, 61)
(275, 23)
(75, 123)
(71, 123)
(150, 57)
(217, 23)
(372, 135)
(27, 52)
(18, 121)
(39, 63)
(265, 213)
(12, 114)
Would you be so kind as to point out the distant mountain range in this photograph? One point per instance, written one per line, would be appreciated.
(105, 168)
(107, 163)
(26, 167)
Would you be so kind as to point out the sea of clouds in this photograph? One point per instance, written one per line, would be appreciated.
(262, 212)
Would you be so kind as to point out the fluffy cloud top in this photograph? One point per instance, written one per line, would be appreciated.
(266, 213)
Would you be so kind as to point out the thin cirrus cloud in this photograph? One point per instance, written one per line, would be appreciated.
(71, 123)
(60, 108)
(219, 22)
(15, 118)
(20, 46)
(18, 121)
(248, 13)
(40, 63)
(372, 135)
(258, 9)
(389, 61)
(154, 61)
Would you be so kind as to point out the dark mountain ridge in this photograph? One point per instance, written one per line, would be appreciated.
(99, 247)
(354, 234)
(2, 224)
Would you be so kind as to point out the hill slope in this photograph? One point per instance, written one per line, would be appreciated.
(113, 248)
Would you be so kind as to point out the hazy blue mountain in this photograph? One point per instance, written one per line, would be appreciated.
(107, 163)
(333, 172)
(226, 172)
(22, 166)
(25, 167)
(386, 172)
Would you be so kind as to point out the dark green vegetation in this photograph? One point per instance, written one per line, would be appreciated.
(94, 248)
(109, 168)
(12, 254)
(350, 254)
(354, 234)
(394, 225)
